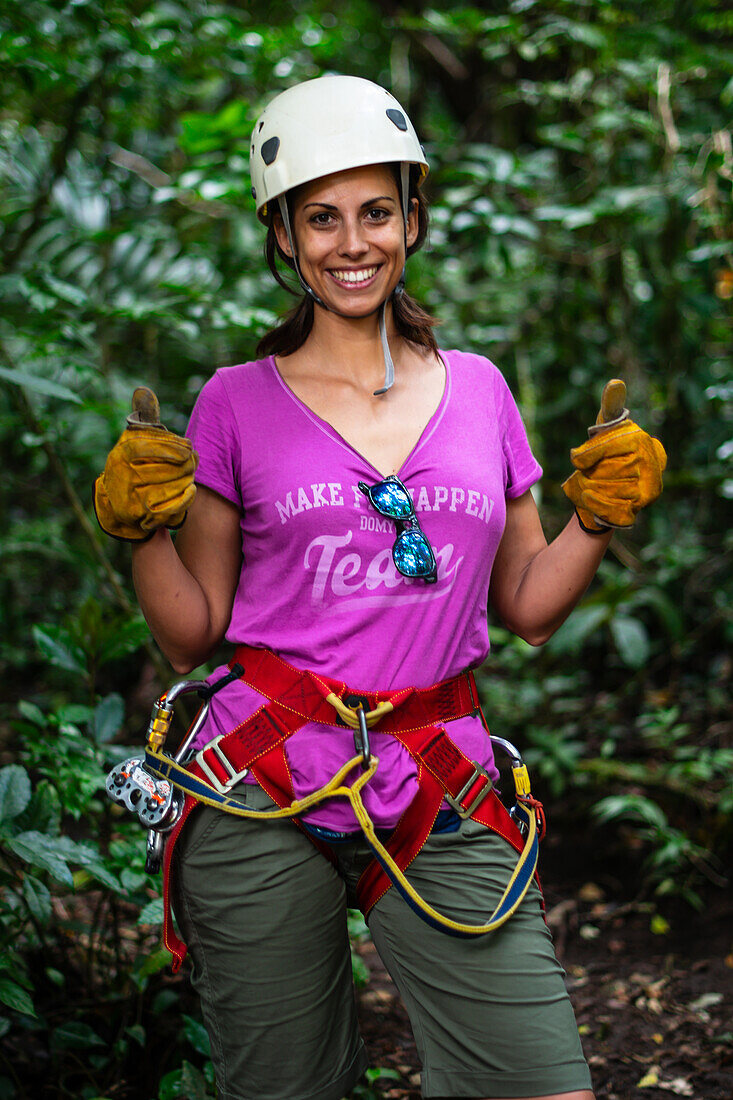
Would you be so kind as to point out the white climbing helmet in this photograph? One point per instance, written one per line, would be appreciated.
(328, 125)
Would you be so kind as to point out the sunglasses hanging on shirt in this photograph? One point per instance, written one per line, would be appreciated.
(412, 554)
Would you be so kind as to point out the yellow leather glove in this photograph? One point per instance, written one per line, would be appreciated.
(148, 476)
(618, 471)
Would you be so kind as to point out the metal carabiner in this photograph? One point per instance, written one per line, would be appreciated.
(155, 845)
(361, 738)
(154, 849)
(157, 804)
(520, 776)
(163, 714)
(511, 750)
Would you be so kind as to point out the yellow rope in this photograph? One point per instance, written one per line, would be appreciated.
(336, 788)
(349, 715)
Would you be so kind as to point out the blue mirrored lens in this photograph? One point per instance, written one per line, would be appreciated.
(392, 500)
(412, 554)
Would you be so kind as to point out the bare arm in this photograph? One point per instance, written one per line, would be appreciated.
(535, 586)
(186, 590)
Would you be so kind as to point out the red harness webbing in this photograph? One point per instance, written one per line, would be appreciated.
(297, 697)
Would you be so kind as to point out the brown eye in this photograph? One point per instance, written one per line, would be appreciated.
(321, 218)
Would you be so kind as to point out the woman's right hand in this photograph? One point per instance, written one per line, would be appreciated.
(147, 481)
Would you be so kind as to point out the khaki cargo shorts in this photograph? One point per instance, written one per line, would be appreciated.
(264, 916)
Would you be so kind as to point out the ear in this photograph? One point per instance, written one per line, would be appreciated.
(281, 236)
(412, 223)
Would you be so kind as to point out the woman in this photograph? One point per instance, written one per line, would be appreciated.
(361, 496)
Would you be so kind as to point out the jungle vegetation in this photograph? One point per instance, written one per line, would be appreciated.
(581, 178)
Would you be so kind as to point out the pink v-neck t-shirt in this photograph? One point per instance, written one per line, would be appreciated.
(318, 585)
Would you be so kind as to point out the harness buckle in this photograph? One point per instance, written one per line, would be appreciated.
(457, 802)
(213, 778)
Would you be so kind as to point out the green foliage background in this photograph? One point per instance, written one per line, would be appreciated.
(581, 175)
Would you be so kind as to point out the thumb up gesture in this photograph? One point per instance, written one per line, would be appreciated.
(618, 471)
(148, 476)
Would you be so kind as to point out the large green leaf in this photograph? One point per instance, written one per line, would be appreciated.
(44, 809)
(38, 899)
(149, 964)
(58, 648)
(126, 638)
(75, 714)
(197, 1036)
(86, 855)
(74, 295)
(43, 852)
(632, 640)
(108, 717)
(15, 791)
(15, 997)
(630, 806)
(32, 713)
(575, 630)
(75, 1035)
(186, 1081)
(39, 385)
(152, 913)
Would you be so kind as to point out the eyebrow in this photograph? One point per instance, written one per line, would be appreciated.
(369, 202)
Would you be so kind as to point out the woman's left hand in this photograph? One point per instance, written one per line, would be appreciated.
(619, 470)
(617, 473)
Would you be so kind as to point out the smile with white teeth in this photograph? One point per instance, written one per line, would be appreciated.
(354, 276)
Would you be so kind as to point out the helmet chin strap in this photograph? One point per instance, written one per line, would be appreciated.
(398, 290)
(388, 364)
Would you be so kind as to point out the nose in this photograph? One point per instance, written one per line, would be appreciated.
(352, 243)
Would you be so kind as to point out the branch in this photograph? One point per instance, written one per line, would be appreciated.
(57, 163)
(443, 56)
(155, 177)
(664, 81)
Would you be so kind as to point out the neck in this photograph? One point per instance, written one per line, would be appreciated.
(350, 348)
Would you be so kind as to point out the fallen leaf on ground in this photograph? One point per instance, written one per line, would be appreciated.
(679, 1086)
(707, 1000)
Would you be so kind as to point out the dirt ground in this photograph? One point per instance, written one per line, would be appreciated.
(652, 988)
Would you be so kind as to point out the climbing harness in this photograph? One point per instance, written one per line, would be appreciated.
(415, 717)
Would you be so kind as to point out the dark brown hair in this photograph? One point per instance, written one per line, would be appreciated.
(412, 322)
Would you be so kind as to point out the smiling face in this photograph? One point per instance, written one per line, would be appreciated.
(350, 237)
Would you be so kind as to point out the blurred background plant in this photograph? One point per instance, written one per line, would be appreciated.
(581, 183)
